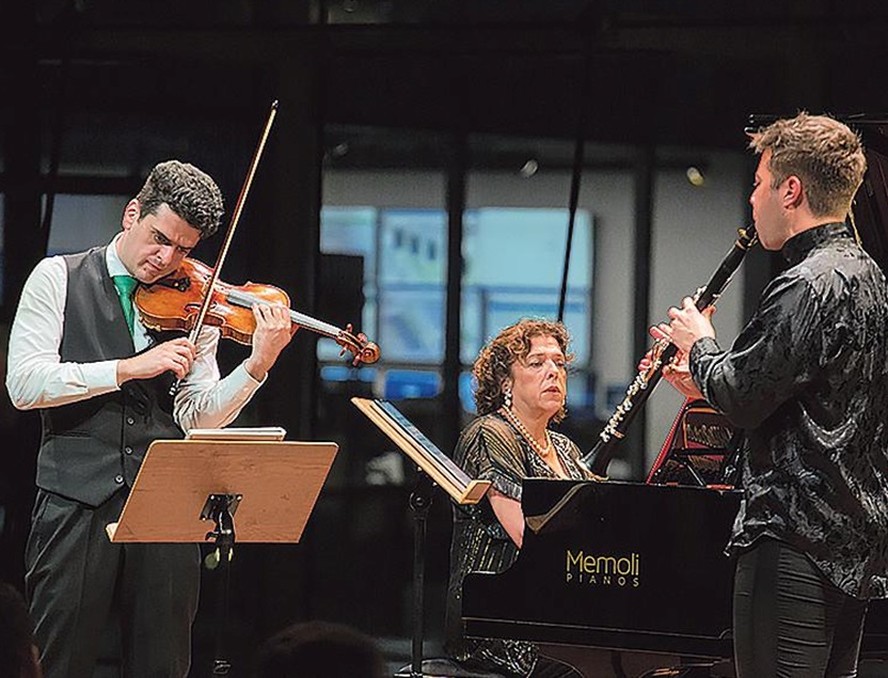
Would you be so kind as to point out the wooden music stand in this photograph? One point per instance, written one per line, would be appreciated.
(432, 466)
(183, 484)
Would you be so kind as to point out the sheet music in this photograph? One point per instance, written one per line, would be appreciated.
(430, 447)
(413, 442)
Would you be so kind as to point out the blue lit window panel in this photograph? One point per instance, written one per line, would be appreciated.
(411, 323)
(405, 261)
(412, 269)
(514, 260)
(413, 246)
(405, 384)
(346, 373)
(467, 387)
(513, 266)
(353, 231)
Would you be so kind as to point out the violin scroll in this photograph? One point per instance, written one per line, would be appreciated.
(365, 351)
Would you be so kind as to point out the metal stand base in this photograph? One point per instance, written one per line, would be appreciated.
(220, 508)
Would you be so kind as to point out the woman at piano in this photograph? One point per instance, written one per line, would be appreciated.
(521, 390)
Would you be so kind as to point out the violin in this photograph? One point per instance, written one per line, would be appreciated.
(174, 303)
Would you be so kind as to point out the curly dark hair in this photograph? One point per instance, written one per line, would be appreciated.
(189, 192)
(493, 366)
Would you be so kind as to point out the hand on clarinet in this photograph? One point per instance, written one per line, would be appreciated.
(686, 326)
(677, 372)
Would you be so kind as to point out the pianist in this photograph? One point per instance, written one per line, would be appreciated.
(521, 388)
(807, 379)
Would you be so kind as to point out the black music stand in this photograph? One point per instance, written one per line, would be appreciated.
(433, 467)
(182, 484)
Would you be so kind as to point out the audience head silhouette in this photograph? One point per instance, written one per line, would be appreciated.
(319, 649)
(18, 652)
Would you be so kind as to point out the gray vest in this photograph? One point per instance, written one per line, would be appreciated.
(93, 448)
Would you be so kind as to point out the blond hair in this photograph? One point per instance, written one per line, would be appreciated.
(824, 153)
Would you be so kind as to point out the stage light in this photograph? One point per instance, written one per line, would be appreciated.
(529, 168)
(695, 176)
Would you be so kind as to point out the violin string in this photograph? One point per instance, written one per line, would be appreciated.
(247, 300)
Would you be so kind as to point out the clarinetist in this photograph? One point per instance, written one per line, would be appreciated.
(807, 380)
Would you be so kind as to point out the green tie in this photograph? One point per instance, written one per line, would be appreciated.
(125, 285)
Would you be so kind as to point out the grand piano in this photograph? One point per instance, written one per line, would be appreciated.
(614, 565)
(641, 566)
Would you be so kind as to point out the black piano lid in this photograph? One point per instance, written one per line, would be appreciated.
(870, 206)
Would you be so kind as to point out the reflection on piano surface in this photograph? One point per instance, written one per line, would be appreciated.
(698, 450)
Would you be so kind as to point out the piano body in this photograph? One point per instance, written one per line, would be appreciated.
(641, 566)
(624, 566)
(614, 565)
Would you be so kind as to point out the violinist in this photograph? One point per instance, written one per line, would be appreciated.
(79, 353)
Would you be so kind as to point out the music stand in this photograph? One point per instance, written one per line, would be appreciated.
(272, 485)
(433, 467)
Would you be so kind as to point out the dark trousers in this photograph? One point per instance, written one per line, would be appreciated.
(74, 573)
(789, 621)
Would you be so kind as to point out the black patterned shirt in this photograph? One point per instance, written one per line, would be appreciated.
(807, 379)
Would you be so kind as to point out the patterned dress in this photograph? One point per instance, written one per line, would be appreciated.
(490, 448)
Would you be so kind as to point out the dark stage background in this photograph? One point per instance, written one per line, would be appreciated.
(94, 92)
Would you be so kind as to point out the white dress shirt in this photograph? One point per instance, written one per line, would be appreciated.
(36, 377)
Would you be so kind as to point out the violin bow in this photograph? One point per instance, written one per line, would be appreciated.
(229, 235)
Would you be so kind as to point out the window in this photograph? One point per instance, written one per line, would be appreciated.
(513, 261)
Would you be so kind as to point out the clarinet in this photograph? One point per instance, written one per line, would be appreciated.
(662, 353)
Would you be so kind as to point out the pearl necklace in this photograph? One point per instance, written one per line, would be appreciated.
(542, 450)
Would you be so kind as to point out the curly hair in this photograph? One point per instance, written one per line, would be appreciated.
(493, 366)
(188, 191)
(824, 153)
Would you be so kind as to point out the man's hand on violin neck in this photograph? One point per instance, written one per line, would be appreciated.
(273, 332)
(174, 356)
